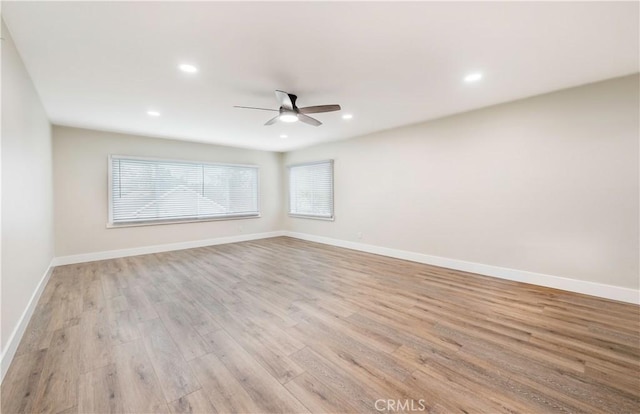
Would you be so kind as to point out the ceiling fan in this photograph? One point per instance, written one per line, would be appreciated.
(289, 112)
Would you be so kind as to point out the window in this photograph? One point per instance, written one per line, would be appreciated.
(311, 190)
(149, 190)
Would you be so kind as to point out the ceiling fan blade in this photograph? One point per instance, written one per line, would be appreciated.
(308, 120)
(251, 107)
(284, 99)
(319, 108)
(272, 120)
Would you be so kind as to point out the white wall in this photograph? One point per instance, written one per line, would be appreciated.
(27, 198)
(80, 188)
(547, 185)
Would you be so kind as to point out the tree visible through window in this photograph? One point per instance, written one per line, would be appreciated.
(145, 190)
(311, 190)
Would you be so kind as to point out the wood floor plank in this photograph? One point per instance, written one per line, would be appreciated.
(72, 410)
(500, 339)
(343, 387)
(265, 390)
(625, 379)
(95, 349)
(174, 374)
(117, 304)
(21, 383)
(38, 335)
(66, 302)
(363, 370)
(178, 323)
(495, 384)
(195, 403)
(337, 325)
(447, 392)
(273, 359)
(141, 392)
(559, 385)
(355, 352)
(199, 319)
(273, 336)
(280, 366)
(58, 385)
(123, 326)
(92, 295)
(424, 339)
(139, 300)
(110, 285)
(225, 391)
(99, 391)
(317, 397)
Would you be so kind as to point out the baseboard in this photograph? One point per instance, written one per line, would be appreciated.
(159, 248)
(18, 331)
(572, 285)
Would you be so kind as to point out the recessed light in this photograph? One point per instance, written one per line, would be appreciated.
(153, 113)
(347, 116)
(288, 118)
(188, 68)
(284, 136)
(473, 77)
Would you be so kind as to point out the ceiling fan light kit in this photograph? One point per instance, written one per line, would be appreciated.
(289, 112)
(288, 117)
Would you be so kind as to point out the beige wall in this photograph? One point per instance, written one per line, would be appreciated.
(27, 199)
(547, 184)
(80, 188)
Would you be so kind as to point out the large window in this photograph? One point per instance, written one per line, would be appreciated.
(311, 190)
(145, 190)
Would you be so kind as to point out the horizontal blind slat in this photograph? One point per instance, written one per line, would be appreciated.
(311, 189)
(144, 190)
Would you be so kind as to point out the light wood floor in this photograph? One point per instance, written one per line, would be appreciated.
(282, 325)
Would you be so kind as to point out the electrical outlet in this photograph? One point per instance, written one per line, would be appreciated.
(241, 228)
(359, 235)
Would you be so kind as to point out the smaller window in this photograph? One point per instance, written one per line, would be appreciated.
(311, 190)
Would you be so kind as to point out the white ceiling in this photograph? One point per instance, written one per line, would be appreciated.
(104, 65)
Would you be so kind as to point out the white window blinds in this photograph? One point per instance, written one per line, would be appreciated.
(148, 190)
(311, 190)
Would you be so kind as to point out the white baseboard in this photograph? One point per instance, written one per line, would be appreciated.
(136, 251)
(572, 285)
(14, 340)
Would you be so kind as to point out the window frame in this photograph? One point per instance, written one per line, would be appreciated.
(155, 222)
(333, 202)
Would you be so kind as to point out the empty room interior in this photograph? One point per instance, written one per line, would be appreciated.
(320, 207)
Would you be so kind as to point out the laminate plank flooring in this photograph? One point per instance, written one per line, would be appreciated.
(99, 391)
(175, 377)
(58, 386)
(196, 402)
(284, 325)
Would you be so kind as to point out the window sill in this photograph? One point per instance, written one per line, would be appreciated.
(162, 222)
(312, 217)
